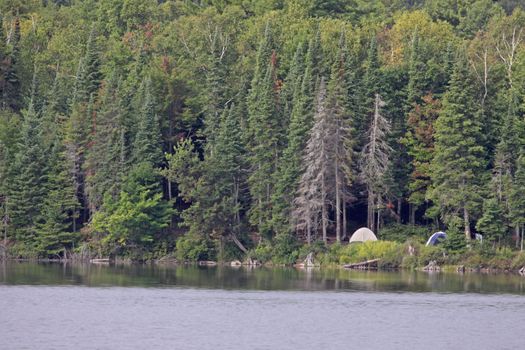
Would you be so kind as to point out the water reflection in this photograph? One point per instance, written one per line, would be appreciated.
(256, 278)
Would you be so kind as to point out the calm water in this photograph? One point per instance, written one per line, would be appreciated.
(57, 306)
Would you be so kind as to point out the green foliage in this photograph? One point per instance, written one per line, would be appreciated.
(456, 241)
(284, 249)
(491, 223)
(458, 165)
(262, 253)
(192, 247)
(400, 233)
(228, 88)
(28, 185)
(390, 253)
(137, 216)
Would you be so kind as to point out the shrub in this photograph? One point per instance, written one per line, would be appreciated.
(519, 261)
(192, 247)
(263, 252)
(390, 253)
(431, 253)
(285, 249)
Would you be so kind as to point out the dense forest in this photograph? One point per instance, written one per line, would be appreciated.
(219, 129)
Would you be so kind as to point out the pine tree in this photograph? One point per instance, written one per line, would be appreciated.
(287, 176)
(89, 76)
(216, 192)
(491, 222)
(517, 199)
(147, 146)
(459, 163)
(419, 141)
(339, 106)
(507, 152)
(264, 131)
(27, 191)
(104, 159)
(82, 120)
(56, 232)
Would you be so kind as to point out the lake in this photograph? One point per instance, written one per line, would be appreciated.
(57, 306)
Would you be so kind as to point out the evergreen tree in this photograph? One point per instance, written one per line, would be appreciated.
(104, 159)
(517, 199)
(491, 222)
(147, 146)
(27, 190)
(458, 166)
(339, 106)
(419, 141)
(89, 76)
(216, 192)
(10, 87)
(135, 220)
(288, 174)
(82, 121)
(264, 131)
(56, 232)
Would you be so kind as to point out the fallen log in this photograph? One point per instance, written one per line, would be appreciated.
(100, 261)
(364, 265)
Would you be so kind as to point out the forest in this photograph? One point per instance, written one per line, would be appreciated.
(226, 129)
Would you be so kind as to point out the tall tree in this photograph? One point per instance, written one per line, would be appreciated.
(311, 203)
(28, 188)
(147, 146)
(374, 162)
(104, 160)
(458, 166)
(342, 157)
(264, 131)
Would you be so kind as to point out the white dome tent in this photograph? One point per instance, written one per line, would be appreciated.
(362, 235)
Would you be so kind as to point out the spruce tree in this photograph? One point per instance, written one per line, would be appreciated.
(56, 231)
(104, 159)
(216, 192)
(458, 166)
(491, 223)
(419, 141)
(287, 176)
(339, 104)
(89, 76)
(147, 145)
(264, 131)
(28, 188)
(517, 199)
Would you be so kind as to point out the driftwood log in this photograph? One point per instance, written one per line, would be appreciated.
(363, 265)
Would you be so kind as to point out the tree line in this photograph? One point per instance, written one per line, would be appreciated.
(213, 128)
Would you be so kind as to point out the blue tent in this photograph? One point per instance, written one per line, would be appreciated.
(436, 238)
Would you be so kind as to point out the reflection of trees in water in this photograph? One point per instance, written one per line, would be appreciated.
(256, 278)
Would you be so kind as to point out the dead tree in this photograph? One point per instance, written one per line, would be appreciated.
(375, 160)
(311, 203)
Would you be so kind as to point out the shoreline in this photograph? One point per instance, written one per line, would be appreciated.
(457, 269)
